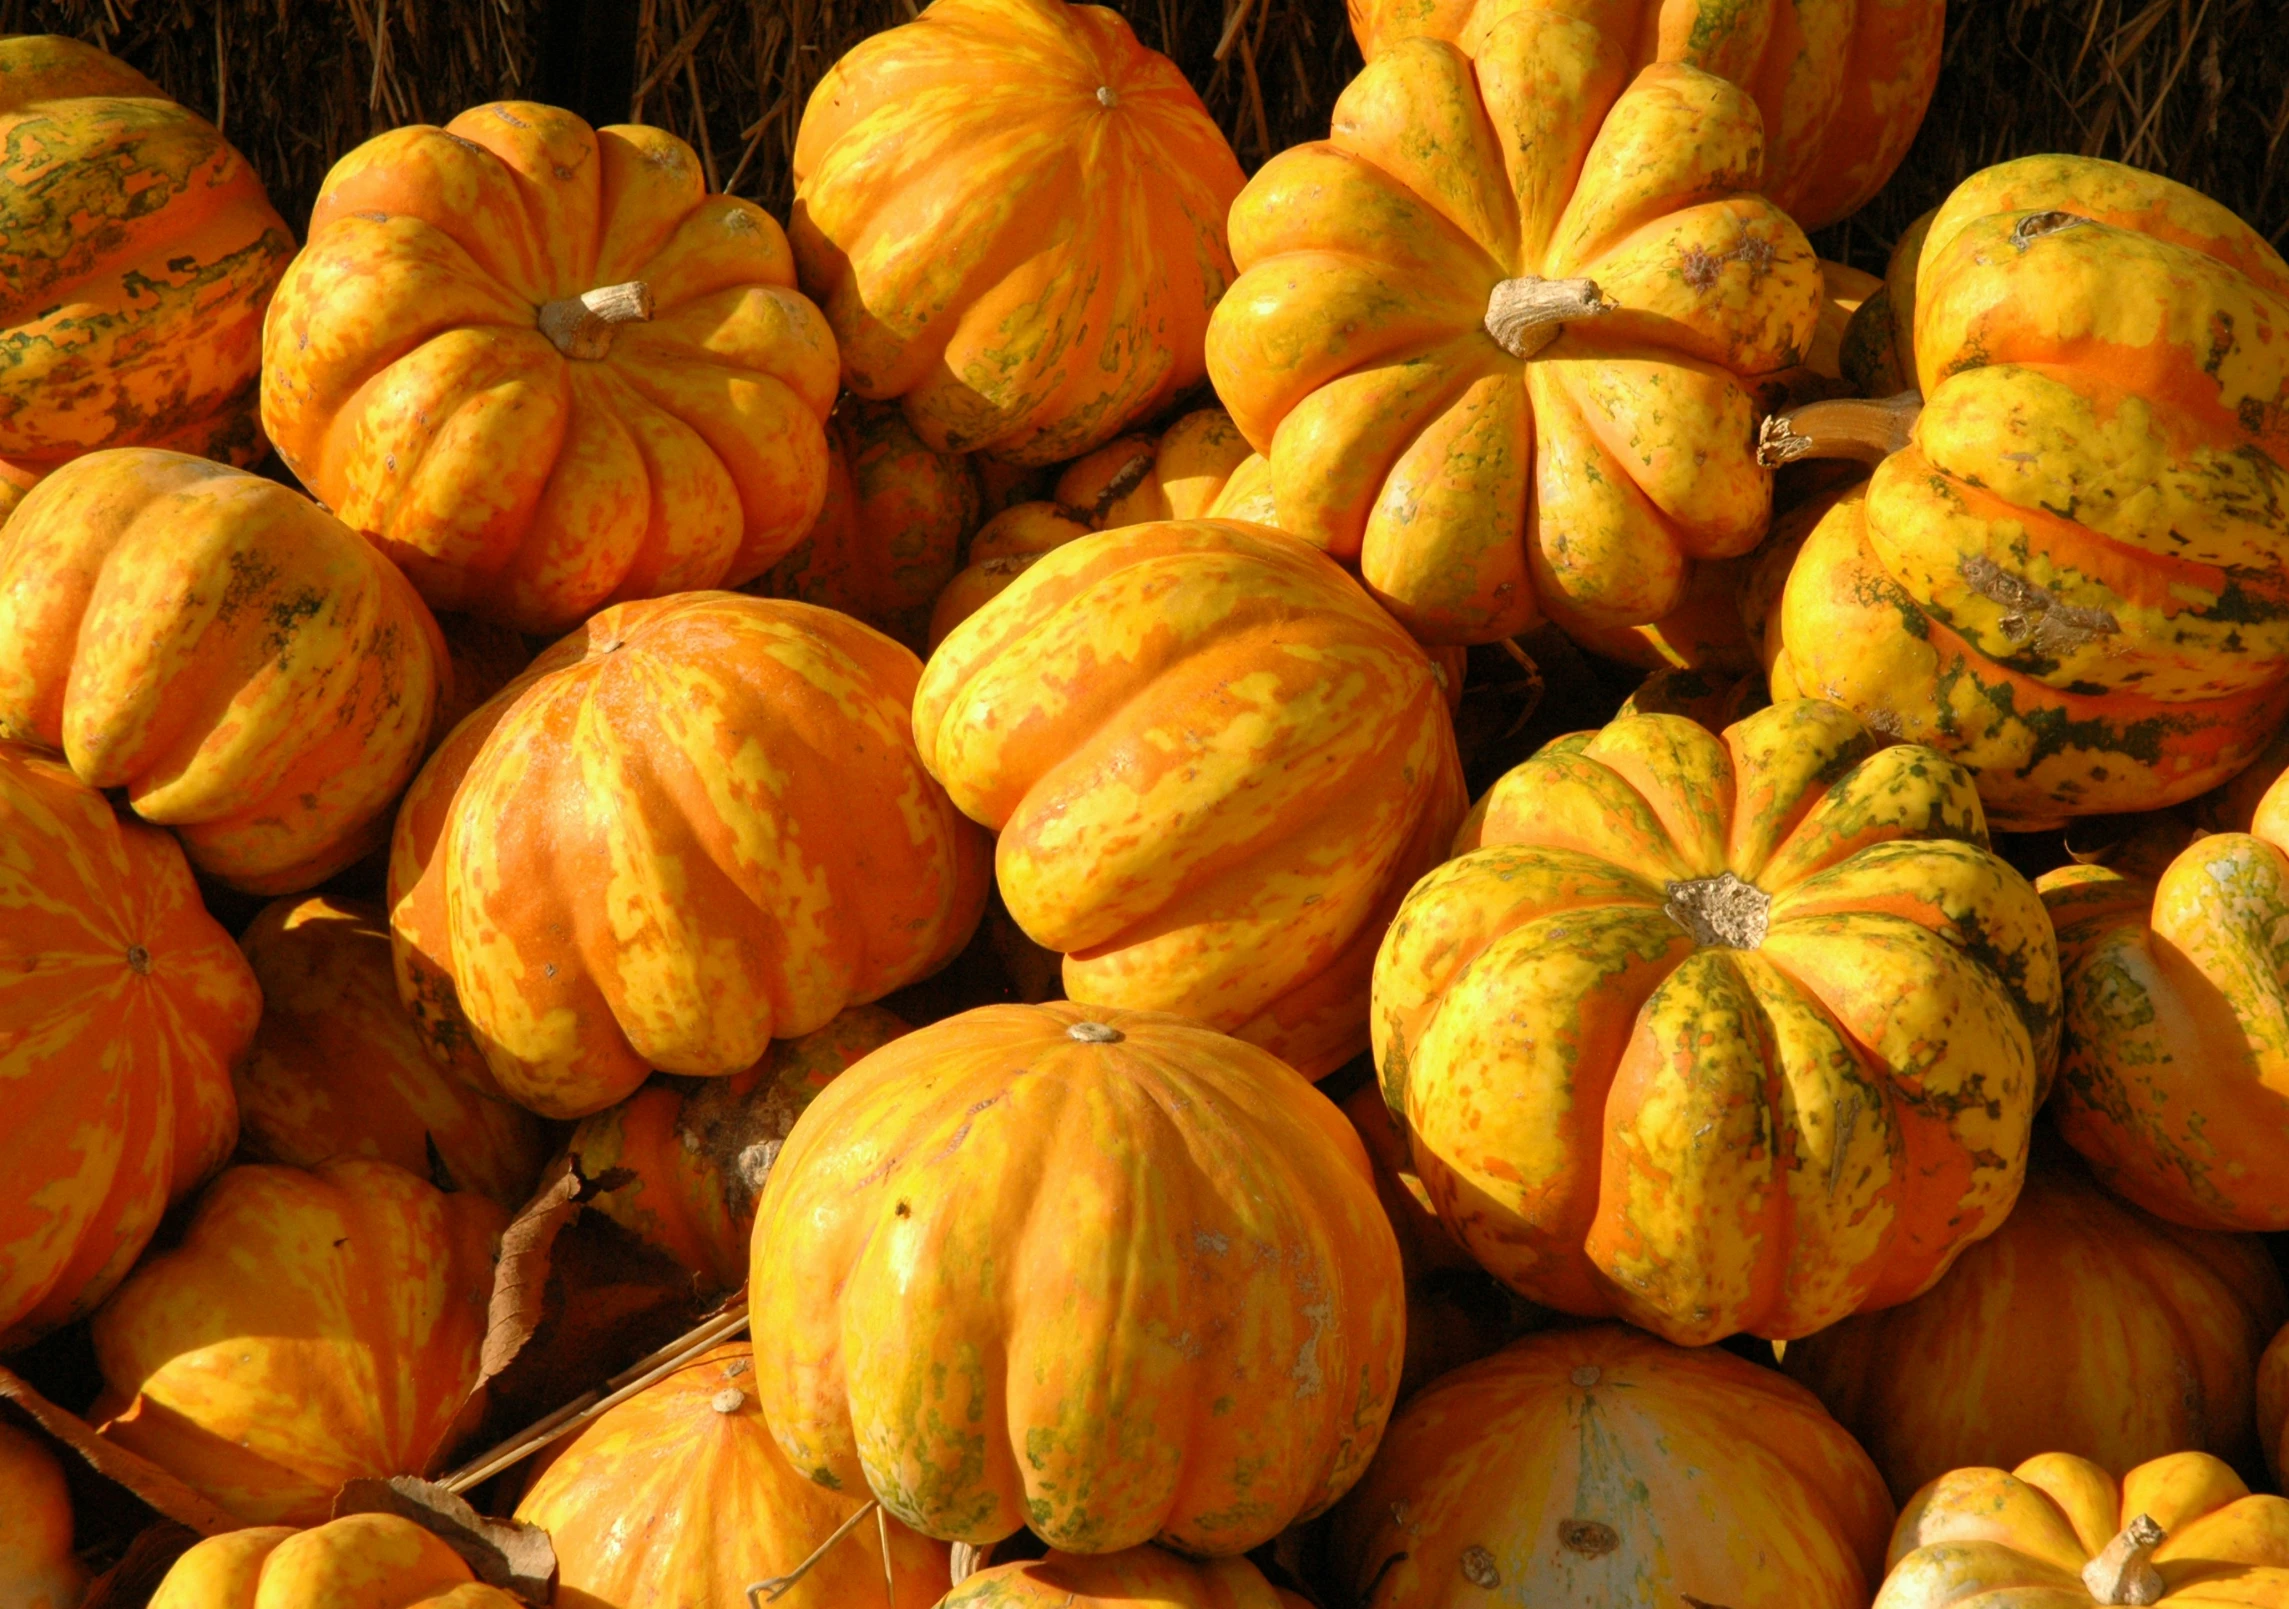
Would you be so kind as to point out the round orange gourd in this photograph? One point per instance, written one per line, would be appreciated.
(545, 370)
(1013, 215)
(1214, 766)
(122, 1006)
(1004, 548)
(2082, 1326)
(1106, 1274)
(225, 651)
(311, 1328)
(701, 1149)
(1134, 1576)
(137, 252)
(361, 1561)
(1496, 335)
(339, 1070)
(679, 1496)
(37, 1567)
(2060, 1533)
(693, 826)
(1719, 1033)
(1602, 1466)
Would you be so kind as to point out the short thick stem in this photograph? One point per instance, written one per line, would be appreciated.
(2124, 1573)
(581, 326)
(1868, 429)
(1525, 315)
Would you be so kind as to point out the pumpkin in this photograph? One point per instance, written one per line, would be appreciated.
(137, 253)
(2273, 1404)
(1215, 767)
(311, 1328)
(889, 536)
(1841, 84)
(37, 1567)
(544, 370)
(337, 1069)
(2060, 1531)
(2066, 570)
(2082, 1326)
(122, 1006)
(1508, 392)
(360, 1561)
(693, 826)
(1720, 1033)
(1013, 215)
(234, 658)
(1106, 1274)
(700, 1149)
(1134, 1576)
(679, 1496)
(1004, 548)
(1601, 1466)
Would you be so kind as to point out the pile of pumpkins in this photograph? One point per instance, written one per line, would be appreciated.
(602, 651)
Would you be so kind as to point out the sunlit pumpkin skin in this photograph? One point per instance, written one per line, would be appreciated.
(37, 1567)
(2023, 1539)
(1484, 458)
(122, 1007)
(1134, 1576)
(1705, 632)
(137, 253)
(1601, 1466)
(1004, 548)
(1841, 84)
(1215, 767)
(727, 838)
(1187, 1326)
(431, 371)
(225, 651)
(1013, 215)
(361, 1561)
(1720, 1033)
(338, 1069)
(2082, 1325)
(679, 1497)
(700, 1150)
(889, 536)
(311, 1328)
(2095, 339)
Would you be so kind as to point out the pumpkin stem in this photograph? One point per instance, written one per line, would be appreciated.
(1721, 912)
(1869, 429)
(966, 1559)
(1526, 314)
(763, 1592)
(581, 326)
(2124, 1573)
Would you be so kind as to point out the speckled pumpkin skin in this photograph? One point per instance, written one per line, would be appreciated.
(1135, 1576)
(223, 649)
(1215, 766)
(1185, 1327)
(1987, 1539)
(1705, 1136)
(406, 381)
(2092, 338)
(1013, 214)
(728, 838)
(137, 253)
(37, 1567)
(679, 1497)
(312, 1328)
(1476, 492)
(2082, 1325)
(362, 1561)
(1602, 1467)
(122, 1007)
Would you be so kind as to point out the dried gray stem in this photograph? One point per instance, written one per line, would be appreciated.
(2124, 1573)
(1721, 911)
(1525, 315)
(2036, 616)
(581, 326)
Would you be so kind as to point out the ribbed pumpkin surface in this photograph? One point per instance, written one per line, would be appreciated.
(362, 1561)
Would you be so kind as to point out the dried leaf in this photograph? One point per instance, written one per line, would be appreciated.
(130, 1583)
(509, 1554)
(162, 1491)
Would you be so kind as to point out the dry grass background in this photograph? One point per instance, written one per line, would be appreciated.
(2198, 89)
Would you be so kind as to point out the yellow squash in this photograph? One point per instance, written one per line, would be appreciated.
(362, 1561)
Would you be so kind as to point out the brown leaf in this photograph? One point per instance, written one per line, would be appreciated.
(162, 1491)
(130, 1583)
(510, 1554)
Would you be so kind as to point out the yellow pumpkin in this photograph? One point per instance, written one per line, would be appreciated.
(1134, 1576)
(37, 1567)
(361, 1561)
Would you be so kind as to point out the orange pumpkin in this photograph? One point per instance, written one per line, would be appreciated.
(1215, 767)
(1013, 214)
(701, 1149)
(2081, 1326)
(37, 1567)
(544, 370)
(1004, 548)
(1601, 1466)
(679, 1496)
(693, 826)
(1134, 1576)
(361, 1561)
(1106, 1274)
(122, 1006)
(311, 1328)
(137, 253)
(231, 655)
(338, 1069)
